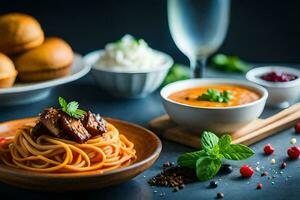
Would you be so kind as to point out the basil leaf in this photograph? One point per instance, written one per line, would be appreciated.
(214, 152)
(207, 168)
(208, 140)
(237, 152)
(224, 142)
(215, 96)
(72, 106)
(189, 159)
(63, 103)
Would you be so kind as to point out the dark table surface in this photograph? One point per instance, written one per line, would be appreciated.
(284, 185)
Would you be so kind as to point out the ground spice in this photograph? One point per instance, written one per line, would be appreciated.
(174, 176)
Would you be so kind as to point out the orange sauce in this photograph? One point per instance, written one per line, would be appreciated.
(189, 96)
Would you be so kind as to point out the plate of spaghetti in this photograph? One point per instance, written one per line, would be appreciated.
(68, 148)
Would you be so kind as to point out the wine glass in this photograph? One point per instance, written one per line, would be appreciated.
(198, 28)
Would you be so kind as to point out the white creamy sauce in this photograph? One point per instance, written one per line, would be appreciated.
(129, 54)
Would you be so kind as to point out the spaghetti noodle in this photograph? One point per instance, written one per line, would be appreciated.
(50, 154)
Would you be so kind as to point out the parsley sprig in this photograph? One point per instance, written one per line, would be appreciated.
(71, 108)
(207, 162)
(216, 96)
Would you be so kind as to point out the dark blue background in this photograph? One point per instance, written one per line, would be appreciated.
(260, 31)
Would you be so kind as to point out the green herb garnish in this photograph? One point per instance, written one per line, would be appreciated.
(216, 96)
(176, 73)
(229, 63)
(207, 162)
(71, 108)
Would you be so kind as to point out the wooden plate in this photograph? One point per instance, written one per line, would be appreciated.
(147, 145)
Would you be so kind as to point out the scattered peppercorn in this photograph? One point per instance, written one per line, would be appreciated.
(181, 186)
(176, 189)
(220, 195)
(273, 161)
(265, 173)
(293, 141)
(268, 149)
(213, 184)
(293, 152)
(167, 164)
(297, 127)
(226, 169)
(259, 186)
(246, 171)
(283, 165)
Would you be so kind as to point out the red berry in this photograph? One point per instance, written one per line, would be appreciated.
(259, 186)
(293, 152)
(268, 149)
(297, 127)
(246, 171)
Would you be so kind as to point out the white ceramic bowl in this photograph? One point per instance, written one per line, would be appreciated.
(221, 119)
(281, 94)
(129, 84)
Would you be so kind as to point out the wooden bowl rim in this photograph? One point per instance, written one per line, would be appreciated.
(88, 174)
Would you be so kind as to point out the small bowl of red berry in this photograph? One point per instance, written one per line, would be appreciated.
(282, 83)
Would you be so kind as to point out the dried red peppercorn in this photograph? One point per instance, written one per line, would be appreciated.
(293, 152)
(268, 149)
(259, 186)
(246, 171)
(283, 165)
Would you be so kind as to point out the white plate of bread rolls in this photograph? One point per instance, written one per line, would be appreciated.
(30, 63)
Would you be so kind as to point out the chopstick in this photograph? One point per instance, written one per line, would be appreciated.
(252, 127)
(286, 120)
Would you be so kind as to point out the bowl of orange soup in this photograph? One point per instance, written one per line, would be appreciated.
(219, 105)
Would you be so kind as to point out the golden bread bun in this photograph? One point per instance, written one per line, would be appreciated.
(50, 60)
(19, 32)
(8, 72)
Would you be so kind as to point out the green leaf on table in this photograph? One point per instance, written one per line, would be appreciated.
(208, 140)
(229, 63)
(209, 160)
(224, 142)
(189, 159)
(176, 73)
(237, 152)
(207, 168)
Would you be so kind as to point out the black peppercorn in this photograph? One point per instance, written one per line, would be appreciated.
(213, 184)
(226, 169)
(175, 189)
(220, 195)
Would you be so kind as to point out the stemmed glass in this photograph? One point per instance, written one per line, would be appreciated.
(198, 28)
